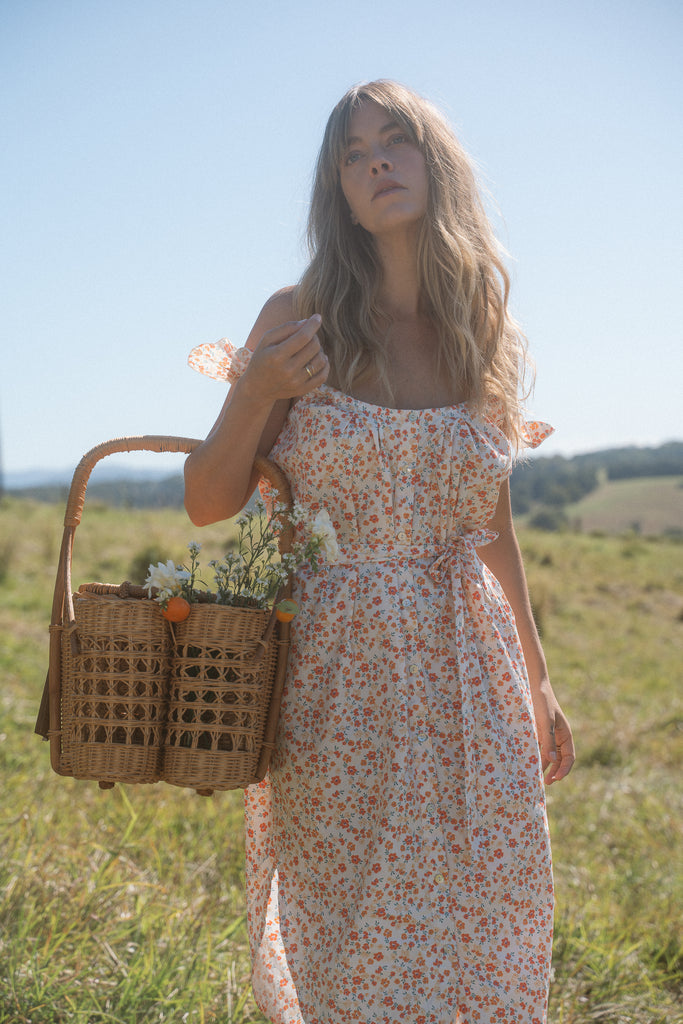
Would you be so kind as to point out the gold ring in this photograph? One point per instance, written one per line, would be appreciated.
(308, 371)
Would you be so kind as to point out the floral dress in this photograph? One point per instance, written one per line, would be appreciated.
(398, 861)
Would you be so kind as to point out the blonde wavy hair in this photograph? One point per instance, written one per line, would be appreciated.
(464, 285)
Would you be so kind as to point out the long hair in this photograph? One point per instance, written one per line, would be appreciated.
(463, 282)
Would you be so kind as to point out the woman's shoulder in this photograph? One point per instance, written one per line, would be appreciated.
(280, 308)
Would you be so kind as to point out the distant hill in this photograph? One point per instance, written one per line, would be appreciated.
(134, 492)
(545, 490)
(626, 463)
(120, 467)
(647, 505)
(548, 492)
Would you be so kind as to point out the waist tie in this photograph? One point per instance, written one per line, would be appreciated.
(473, 591)
(470, 595)
(390, 551)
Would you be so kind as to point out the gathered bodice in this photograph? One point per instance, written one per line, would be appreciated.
(410, 478)
(405, 478)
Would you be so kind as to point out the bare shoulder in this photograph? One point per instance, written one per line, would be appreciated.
(279, 309)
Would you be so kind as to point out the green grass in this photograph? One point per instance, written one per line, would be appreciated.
(648, 505)
(128, 905)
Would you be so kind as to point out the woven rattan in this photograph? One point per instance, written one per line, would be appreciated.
(117, 656)
(221, 678)
(131, 698)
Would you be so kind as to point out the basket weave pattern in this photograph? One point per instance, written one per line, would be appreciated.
(221, 676)
(117, 656)
(131, 698)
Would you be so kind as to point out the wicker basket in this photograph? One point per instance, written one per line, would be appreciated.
(131, 698)
(115, 667)
(224, 663)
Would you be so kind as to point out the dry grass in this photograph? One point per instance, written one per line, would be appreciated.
(128, 906)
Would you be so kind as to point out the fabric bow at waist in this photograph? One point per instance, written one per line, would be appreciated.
(442, 555)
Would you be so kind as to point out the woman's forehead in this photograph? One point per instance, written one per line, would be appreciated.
(369, 112)
(387, 115)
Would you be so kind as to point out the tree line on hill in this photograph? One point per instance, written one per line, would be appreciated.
(166, 492)
(546, 484)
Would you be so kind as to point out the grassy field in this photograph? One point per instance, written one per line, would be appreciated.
(648, 505)
(127, 906)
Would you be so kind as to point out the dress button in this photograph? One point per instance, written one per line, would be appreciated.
(402, 537)
(438, 879)
(413, 670)
(412, 416)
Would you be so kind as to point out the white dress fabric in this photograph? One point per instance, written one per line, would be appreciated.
(398, 860)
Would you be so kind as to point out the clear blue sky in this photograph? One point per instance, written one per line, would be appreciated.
(156, 169)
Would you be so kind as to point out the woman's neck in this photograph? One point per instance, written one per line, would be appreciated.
(399, 291)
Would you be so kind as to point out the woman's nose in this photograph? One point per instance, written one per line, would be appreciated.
(380, 162)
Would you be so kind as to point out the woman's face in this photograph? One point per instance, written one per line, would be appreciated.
(382, 172)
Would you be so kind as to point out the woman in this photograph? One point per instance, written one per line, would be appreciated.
(397, 856)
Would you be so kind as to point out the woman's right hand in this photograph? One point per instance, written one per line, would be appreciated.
(286, 363)
(219, 474)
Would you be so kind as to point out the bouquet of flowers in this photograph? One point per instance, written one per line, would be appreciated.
(252, 575)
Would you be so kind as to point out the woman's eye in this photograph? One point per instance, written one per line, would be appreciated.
(398, 138)
(351, 158)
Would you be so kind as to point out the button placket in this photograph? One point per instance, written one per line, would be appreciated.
(404, 451)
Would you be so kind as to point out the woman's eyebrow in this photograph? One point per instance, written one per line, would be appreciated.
(389, 127)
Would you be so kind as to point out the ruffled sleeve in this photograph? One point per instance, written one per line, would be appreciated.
(220, 360)
(535, 432)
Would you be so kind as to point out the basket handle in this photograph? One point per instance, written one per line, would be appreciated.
(146, 443)
(76, 499)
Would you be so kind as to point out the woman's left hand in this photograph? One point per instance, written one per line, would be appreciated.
(554, 734)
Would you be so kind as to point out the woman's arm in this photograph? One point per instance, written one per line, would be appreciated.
(504, 559)
(219, 474)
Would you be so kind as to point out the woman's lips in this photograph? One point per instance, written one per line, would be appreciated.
(388, 186)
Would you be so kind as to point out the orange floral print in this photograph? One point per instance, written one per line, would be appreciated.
(398, 860)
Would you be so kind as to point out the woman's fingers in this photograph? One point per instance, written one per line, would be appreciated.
(311, 360)
(554, 734)
(562, 767)
(315, 370)
(561, 754)
(290, 338)
(289, 361)
(309, 363)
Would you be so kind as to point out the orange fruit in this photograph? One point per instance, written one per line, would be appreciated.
(176, 610)
(286, 610)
